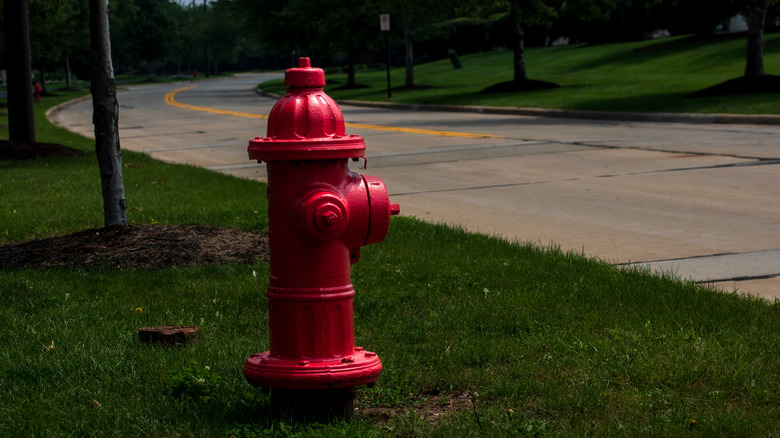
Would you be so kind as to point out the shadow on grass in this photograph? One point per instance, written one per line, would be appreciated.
(742, 85)
(648, 103)
(519, 86)
(659, 49)
(351, 87)
(414, 87)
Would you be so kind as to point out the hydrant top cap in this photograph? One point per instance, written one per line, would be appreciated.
(304, 76)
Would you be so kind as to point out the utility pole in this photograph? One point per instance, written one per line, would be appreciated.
(21, 119)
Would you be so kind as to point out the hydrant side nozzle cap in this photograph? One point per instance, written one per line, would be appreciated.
(304, 76)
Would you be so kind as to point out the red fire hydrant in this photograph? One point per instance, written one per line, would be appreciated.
(320, 214)
(38, 90)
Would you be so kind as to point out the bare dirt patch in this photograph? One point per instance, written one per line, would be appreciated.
(431, 410)
(138, 247)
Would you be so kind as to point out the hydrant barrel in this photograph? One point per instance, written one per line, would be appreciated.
(320, 214)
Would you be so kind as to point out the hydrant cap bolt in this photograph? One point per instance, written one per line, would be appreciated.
(304, 76)
(325, 215)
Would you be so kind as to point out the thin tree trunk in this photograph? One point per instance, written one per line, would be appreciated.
(43, 81)
(351, 70)
(518, 41)
(410, 28)
(105, 115)
(756, 15)
(67, 72)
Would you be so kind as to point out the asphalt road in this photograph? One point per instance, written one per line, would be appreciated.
(696, 200)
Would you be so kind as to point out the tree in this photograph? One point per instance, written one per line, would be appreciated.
(57, 30)
(224, 35)
(754, 80)
(17, 47)
(105, 115)
(756, 17)
(352, 40)
(415, 13)
(538, 12)
(144, 29)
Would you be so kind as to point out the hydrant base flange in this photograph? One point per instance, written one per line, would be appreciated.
(265, 371)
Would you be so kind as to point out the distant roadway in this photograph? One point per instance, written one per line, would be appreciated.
(700, 201)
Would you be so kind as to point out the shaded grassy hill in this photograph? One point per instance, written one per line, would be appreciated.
(645, 76)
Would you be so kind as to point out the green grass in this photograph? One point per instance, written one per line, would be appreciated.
(647, 76)
(546, 343)
(72, 200)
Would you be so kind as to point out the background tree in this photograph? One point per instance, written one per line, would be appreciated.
(58, 30)
(756, 17)
(147, 30)
(105, 115)
(754, 79)
(285, 28)
(414, 15)
(351, 39)
(224, 33)
(537, 12)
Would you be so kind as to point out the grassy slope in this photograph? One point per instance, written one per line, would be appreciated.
(546, 342)
(647, 76)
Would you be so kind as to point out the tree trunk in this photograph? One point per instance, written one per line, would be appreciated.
(410, 27)
(21, 118)
(518, 41)
(67, 72)
(105, 115)
(756, 15)
(351, 70)
(43, 81)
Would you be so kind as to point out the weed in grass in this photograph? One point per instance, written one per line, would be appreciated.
(194, 381)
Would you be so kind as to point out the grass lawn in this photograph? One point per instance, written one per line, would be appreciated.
(646, 76)
(536, 341)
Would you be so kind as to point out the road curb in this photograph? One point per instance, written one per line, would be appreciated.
(732, 119)
(58, 107)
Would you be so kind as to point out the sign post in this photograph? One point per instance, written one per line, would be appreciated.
(384, 26)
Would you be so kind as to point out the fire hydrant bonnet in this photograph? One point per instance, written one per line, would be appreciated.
(306, 124)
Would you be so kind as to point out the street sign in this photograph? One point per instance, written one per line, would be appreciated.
(384, 22)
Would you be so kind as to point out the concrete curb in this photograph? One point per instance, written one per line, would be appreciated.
(56, 108)
(733, 119)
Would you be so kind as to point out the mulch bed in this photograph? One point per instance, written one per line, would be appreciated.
(15, 150)
(131, 247)
(138, 247)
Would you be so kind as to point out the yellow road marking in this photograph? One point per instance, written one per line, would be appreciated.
(171, 100)
(419, 131)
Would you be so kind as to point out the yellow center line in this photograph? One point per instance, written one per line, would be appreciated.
(171, 100)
